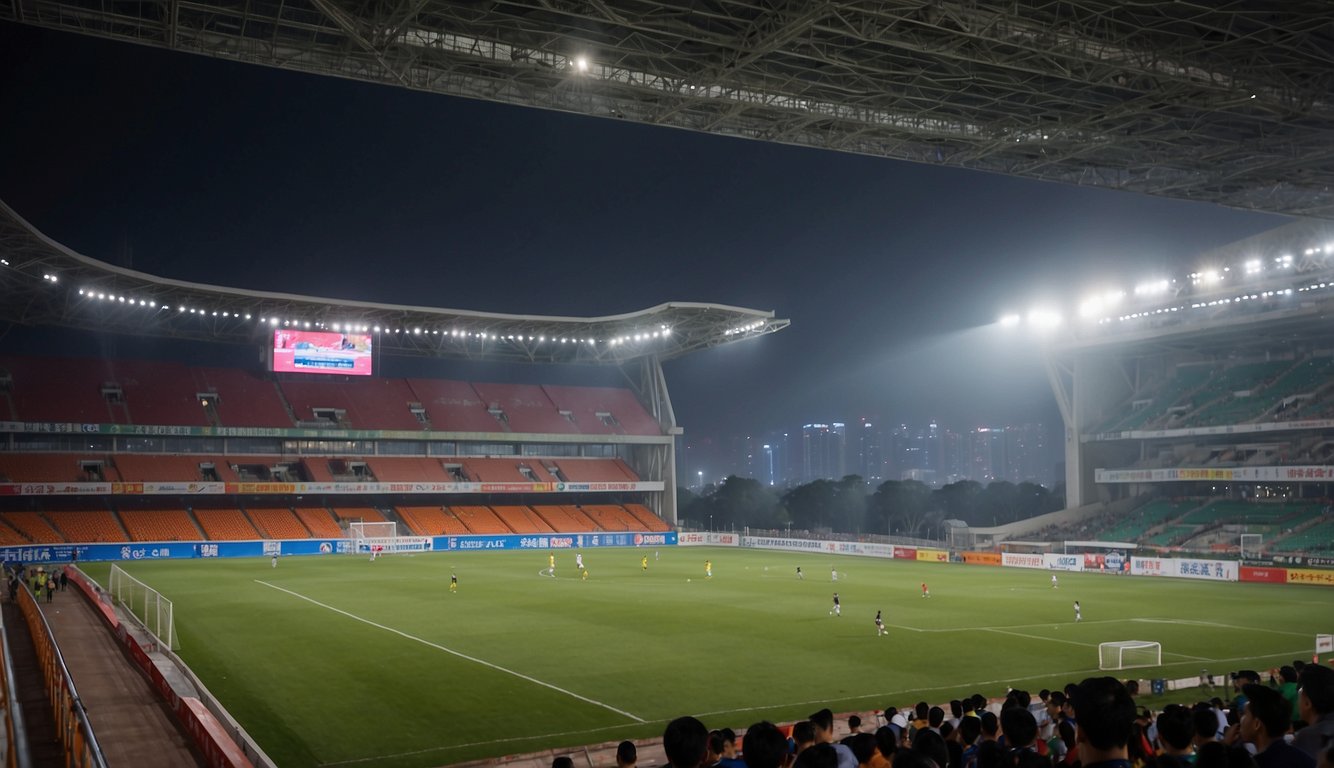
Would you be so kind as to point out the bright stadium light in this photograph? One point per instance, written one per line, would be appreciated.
(1009, 321)
(581, 64)
(1253, 267)
(1152, 288)
(1043, 319)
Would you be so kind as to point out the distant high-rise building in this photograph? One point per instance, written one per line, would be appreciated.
(870, 452)
(824, 451)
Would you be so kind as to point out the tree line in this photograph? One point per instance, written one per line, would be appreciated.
(895, 507)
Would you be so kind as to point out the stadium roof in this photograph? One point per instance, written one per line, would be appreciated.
(1222, 102)
(45, 283)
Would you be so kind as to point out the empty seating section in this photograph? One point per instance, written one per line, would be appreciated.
(1229, 511)
(521, 519)
(158, 468)
(1317, 538)
(453, 406)
(495, 470)
(526, 408)
(225, 525)
(357, 403)
(320, 523)
(160, 525)
(596, 471)
(88, 526)
(408, 470)
(604, 410)
(1160, 397)
(1137, 522)
(610, 517)
(646, 518)
(159, 393)
(1171, 535)
(277, 523)
(556, 517)
(59, 389)
(317, 469)
(1217, 401)
(34, 526)
(244, 399)
(481, 520)
(430, 521)
(359, 514)
(10, 537)
(584, 522)
(56, 468)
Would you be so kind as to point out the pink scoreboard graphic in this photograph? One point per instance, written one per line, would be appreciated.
(322, 352)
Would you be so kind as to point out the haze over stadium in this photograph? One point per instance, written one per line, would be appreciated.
(213, 171)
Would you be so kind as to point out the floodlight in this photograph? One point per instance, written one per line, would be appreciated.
(1043, 319)
(1009, 321)
(1253, 266)
(581, 64)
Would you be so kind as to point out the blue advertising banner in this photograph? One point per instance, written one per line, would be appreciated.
(183, 550)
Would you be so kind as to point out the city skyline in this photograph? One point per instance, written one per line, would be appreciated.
(932, 452)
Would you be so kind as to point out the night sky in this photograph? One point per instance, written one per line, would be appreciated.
(245, 176)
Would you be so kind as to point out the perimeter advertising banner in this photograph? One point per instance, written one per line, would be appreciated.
(1185, 568)
(1266, 575)
(1022, 560)
(218, 489)
(1290, 474)
(982, 558)
(1308, 576)
(933, 555)
(1063, 562)
(905, 553)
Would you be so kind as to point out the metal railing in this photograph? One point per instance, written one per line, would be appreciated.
(16, 736)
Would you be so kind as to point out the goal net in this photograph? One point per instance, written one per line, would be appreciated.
(1129, 654)
(149, 608)
(382, 538)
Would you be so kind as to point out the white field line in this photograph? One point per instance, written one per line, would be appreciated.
(1075, 642)
(453, 652)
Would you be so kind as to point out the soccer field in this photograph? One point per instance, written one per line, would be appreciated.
(341, 661)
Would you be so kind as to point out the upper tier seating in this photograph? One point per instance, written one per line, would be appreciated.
(158, 468)
(225, 525)
(244, 399)
(453, 406)
(596, 471)
(1138, 521)
(365, 403)
(408, 469)
(525, 408)
(159, 393)
(1156, 399)
(160, 525)
(60, 389)
(56, 468)
(88, 526)
(277, 523)
(603, 410)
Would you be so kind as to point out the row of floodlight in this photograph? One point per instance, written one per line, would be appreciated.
(748, 327)
(1099, 308)
(661, 332)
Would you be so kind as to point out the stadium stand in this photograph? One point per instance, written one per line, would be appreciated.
(408, 470)
(603, 410)
(225, 525)
(595, 471)
(88, 526)
(243, 398)
(160, 525)
(424, 521)
(611, 517)
(57, 468)
(319, 522)
(525, 408)
(479, 519)
(1136, 524)
(454, 406)
(359, 514)
(1317, 537)
(274, 523)
(158, 468)
(521, 519)
(9, 536)
(35, 527)
(158, 393)
(645, 516)
(1155, 401)
(60, 389)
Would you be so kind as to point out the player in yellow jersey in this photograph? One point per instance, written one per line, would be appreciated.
(643, 563)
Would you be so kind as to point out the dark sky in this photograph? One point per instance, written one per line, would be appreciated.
(252, 177)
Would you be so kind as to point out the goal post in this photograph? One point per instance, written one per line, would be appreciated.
(1129, 654)
(382, 537)
(1249, 545)
(149, 608)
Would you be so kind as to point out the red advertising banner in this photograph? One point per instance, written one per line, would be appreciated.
(1267, 575)
(905, 553)
(982, 558)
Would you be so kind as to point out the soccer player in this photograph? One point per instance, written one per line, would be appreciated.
(1053, 581)
(643, 563)
(925, 592)
(579, 560)
(800, 575)
(837, 610)
(880, 625)
(453, 582)
(551, 562)
(708, 569)
(1078, 617)
(833, 573)
(584, 574)
(275, 559)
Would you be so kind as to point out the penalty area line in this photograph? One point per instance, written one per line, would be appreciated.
(453, 652)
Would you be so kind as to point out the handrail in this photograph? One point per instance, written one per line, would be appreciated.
(76, 733)
(16, 735)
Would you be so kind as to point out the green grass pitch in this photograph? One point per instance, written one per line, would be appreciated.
(340, 661)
